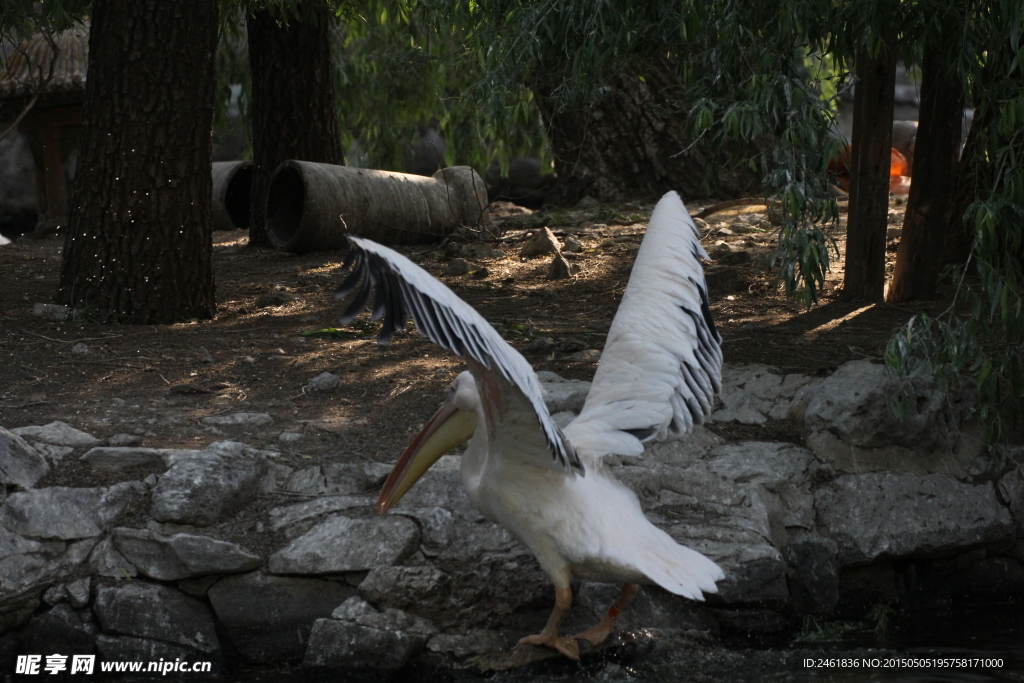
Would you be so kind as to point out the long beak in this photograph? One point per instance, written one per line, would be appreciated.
(450, 427)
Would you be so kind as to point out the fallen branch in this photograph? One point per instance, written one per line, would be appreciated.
(731, 204)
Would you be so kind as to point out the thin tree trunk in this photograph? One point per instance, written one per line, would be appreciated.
(138, 247)
(935, 169)
(294, 113)
(634, 142)
(869, 173)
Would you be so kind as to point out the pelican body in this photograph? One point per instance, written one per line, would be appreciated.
(549, 487)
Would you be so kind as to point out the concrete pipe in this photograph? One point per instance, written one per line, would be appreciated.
(232, 187)
(310, 207)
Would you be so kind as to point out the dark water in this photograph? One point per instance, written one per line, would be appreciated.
(991, 639)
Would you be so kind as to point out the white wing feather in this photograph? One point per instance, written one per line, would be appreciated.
(405, 290)
(662, 362)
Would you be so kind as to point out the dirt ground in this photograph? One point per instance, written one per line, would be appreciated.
(269, 340)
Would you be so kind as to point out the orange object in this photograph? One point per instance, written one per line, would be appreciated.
(899, 181)
(897, 163)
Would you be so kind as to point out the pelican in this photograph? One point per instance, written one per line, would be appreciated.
(550, 487)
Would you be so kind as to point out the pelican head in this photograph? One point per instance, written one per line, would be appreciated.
(452, 425)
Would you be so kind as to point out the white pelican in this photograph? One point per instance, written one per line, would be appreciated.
(658, 375)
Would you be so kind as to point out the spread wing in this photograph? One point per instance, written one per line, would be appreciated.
(662, 362)
(405, 290)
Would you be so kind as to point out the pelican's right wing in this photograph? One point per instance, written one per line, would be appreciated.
(662, 362)
(405, 290)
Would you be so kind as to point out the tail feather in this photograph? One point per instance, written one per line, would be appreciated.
(681, 571)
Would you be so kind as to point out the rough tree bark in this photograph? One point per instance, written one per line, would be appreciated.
(935, 169)
(138, 247)
(293, 108)
(632, 143)
(869, 173)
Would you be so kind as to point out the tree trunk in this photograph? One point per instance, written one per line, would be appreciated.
(869, 173)
(138, 247)
(294, 115)
(931, 193)
(634, 143)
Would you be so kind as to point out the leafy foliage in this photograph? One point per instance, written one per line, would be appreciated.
(985, 347)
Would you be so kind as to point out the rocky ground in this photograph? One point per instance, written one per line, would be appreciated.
(204, 490)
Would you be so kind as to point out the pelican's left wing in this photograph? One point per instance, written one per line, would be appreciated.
(405, 290)
(662, 362)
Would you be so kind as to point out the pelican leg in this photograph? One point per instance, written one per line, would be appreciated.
(597, 634)
(549, 636)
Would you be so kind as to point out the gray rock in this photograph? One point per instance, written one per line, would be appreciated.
(118, 440)
(52, 312)
(559, 268)
(144, 610)
(239, 419)
(729, 255)
(116, 459)
(684, 451)
(459, 266)
(203, 488)
(781, 470)
(290, 437)
(181, 556)
(1011, 490)
(28, 567)
(417, 590)
(269, 618)
(541, 243)
(54, 453)
(961, 462)
(813, 574)
(572, 245)
(342, 544)
(325, 381)
(20, 464)
(478, 250)
(127, 648)
(853, 404)
(874, 516)
(55, 594)
(307, 480)
(563, 394)
(198, 587)
(78, 592)
(60, 630)
(80, 348)
(106, 561)
(476, 642)
(364, 639)
(57, 433)
(67, 513)
(753, 394)
(584, 356)
(541, 345)
(349, 478)
(289, 518)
